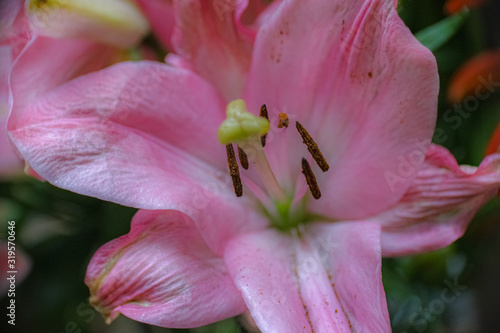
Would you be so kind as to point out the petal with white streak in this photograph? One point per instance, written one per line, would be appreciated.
(162, 273)
(327, 281)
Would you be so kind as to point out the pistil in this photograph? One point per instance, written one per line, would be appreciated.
(246, 130)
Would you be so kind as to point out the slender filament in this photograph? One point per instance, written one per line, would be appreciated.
(256, 154)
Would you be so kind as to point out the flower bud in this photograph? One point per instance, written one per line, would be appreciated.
(115, 22)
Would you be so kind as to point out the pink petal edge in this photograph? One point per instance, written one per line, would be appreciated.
(439, 206)
(207, 36)
(161, 17)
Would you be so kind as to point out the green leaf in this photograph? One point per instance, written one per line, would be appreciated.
(436, 35)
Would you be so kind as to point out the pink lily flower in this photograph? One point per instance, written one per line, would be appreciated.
(164, 273)
(145, 135)
(48, 44)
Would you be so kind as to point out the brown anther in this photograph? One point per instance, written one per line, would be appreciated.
(311, 179)
(264, 114)
(234, 170)
(312, 147)
(283, 120)
(243, 158)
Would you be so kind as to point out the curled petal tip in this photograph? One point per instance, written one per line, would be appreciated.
(103, 310)
(162, 273)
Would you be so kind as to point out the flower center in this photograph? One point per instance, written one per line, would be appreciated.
(249, 133)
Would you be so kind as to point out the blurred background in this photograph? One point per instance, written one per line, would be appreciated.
(452, 290)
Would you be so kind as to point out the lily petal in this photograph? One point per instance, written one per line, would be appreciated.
(160, 14)
(206, 33)
(9, 10)
(5, 66)
(251, 14)
(128, 134)
(361, 84)
(10, 162)
(439, 205)
(327, 281)
(39, 69)
(162, 273)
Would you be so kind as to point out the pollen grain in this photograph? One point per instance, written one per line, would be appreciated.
(283, 120)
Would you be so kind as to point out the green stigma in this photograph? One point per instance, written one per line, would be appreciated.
(240, 125)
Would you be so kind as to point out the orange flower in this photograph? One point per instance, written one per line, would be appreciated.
(471, 76)
(453, 6)
(494, 145)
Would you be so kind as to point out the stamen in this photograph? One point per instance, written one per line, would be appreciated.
(311, 179)
(234, 170)
(283, 120)
(246, 130)
(243, 158)
(264, 114)
(312, 147)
